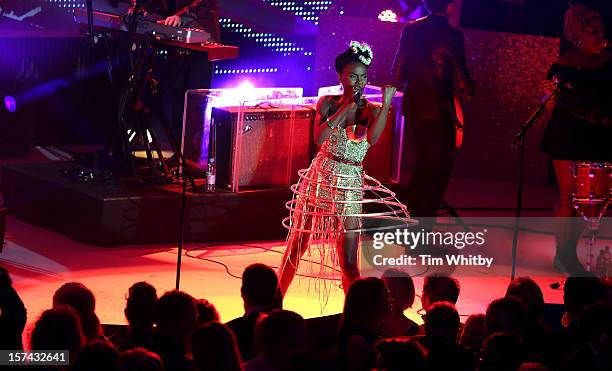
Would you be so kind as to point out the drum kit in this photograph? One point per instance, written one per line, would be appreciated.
(591, 198)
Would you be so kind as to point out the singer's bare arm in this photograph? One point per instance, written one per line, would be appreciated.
(339, 119)
(381, 115)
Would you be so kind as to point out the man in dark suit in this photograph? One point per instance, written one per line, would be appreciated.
(260, 294)
(431, 65)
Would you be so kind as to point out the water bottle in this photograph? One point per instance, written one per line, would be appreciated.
(211, 172)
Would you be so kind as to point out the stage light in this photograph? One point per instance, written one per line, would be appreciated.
(10, 103)
(387, 16)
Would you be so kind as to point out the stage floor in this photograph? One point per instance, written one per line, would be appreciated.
(40, 261)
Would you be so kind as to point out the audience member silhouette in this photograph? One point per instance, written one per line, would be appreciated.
(97, 355)
(472, 336)
(399, 354)
(58, 328)
(439, 288)
(578, 293)
(83, 301)
(536, 338)
(139, 359)
(505, 315)
(260, 294)
(533, 366)
(282, 333)
(176, 319)
(13, 314)
(590, 354)
(302, 360)
(401, 293)
(206, 312)
(529, 293)
(213, 347)
(501, 352)
(140, 313)
(365, 306)
(441, 334)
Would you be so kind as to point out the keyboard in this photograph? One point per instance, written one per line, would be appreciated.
(187, 38)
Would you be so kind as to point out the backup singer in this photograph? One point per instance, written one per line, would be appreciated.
(580, 128)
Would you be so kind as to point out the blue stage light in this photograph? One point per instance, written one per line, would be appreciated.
(10, 103)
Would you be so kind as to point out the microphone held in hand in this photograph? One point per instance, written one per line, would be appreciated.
(357, 96)
(563, 82)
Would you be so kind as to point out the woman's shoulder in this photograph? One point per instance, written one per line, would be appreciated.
(573, 60)
(327, 101)
(330, 98)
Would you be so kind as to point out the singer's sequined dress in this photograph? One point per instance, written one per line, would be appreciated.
(334, 190)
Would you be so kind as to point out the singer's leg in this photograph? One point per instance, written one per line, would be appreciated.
(568, 227)
(296, 247)
(348, 247)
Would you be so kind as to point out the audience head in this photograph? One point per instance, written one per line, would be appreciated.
(213, 347)
(5, 278)
(97, 355)
(301, 360)
(533, 366)
(529, 293)
(83, 301)
(440, 6)
(58, 328)
(501, 352)
(282, 332)
(439, 288)
(605, 347)
(139, 359)
(366, 303)
(395, 354)
(206, 312)
(140, 307)
(260, 288)
(505, 315)
(442, 319)
(472, 336)
(580, 292)
(176, 315)
(401, 289)
(594, 320)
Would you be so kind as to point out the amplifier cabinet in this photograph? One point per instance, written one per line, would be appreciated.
(261, 148)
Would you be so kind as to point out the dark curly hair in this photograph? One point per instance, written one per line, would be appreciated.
(356, 53)
(437, 6)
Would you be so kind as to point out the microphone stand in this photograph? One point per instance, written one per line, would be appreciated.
(90, 23)
(519, 142)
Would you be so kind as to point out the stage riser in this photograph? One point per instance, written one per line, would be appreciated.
(111, 216)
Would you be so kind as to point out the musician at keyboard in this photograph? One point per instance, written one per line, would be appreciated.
(179, 70)
(202, 14)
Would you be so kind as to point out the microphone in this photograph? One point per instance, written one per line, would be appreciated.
(560, 81)
(357, 96)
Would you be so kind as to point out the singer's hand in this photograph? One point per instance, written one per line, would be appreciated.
(548, 86)
(173, 20)
(388, 92)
